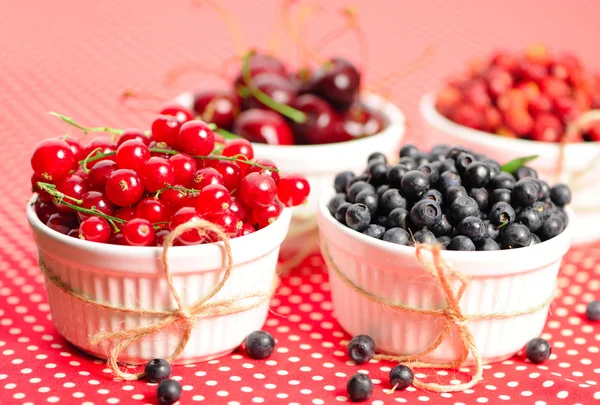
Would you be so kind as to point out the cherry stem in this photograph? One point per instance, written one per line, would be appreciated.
(234, 27)
(285, 110)
(225, 134)
(303, 48)
(85, 130)
(389, 392)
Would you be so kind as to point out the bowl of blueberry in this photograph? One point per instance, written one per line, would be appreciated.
(499, 226)
(533, 103)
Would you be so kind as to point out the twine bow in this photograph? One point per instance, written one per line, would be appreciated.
(185, 317)
(439, 271)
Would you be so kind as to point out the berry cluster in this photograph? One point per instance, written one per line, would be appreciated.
(533, 96)
(461, 200)
(270, 104)
(135, 190)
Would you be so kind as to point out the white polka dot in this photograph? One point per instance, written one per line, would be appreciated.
(258, 400)
(329, 388)
(512, 384)
(246, 389)
(527, 393)
(19, 395)
(259, 376)
(423, 398)
(548, 383)
(504, 397)
(71, 385)
(53, 399)
(305, 391)
(294, 382)
(562, 394)
(211, 383)
(482, 400)
(10, 386)
(198, 398)
(235, 378)
(497, 375)
(222, 393)
(35, 380)
(281, 396)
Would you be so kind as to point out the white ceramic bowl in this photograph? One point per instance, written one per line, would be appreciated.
(580, 156)
(320, 163)
(500, 282)
(133, 277)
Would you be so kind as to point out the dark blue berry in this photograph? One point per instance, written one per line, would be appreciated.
(487, 244)
(461, 242)
(444, 241)
(431, 172)
(443, 227)
(502, 213)
(157, 370)
(477, 175)
(363, 177)
(494, 166)
(370, 199)
(381, 220)
(409, 162)
(397, 218)
(463, 161)
(424, 236)
(560, 195)
(340, 214)
(390, 200)
(259, 344)
(551, 227)
(168, 392)
(448, 179)
(482, 197)
(535, 239)
(538, 350)
(357, 188)
(592, 313)
(545, 190)
(395, 174)
(525, 192)
(414, 184)
(377, 173)
(335, 202)
(530, 217)
(382, 189)
(401, 377)
(409, 150)
(452, 193)
(440, 149)
(491, 229)
(375, 231)
(425, 213)
(500, 195)
(359, 388)
(514, 236)
(446, 166)
(361, 349)
(358, 217)
(397, 235)
(376, 157)
(455, 151)
(503, 180)
(473, 228)
(463, 207)
(433, 195)
(341, 181)
(525, 171)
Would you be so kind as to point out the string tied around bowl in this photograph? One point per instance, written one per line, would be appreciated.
(185, 317)
(432, 262)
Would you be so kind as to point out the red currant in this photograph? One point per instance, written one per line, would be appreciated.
(133, 133)
(293, 190)
(117, 239)
(231, 173)
(196, 138)
(187, 214)
(236, 206)
(160, 145)
(52, 159)
(138, 232)
(238, 146)
(101, 146)
(132, 154)
(157, 174)
(74, 233)
(184, 168)
(95, 200)
(152, 210)
(95, 229)
(267, 163)
(173, 199)
(257, 189)
(266, 215)
(100, 173)
(76, 148)
(246, 229)
(124, 187)
(181, 113)
(206, 176)
(73, 186)
(42, 195)
(213, 199)
(228, 221)
(45, 210)
(160, 236)
(165, 128)
(126, 214)
(62, 222)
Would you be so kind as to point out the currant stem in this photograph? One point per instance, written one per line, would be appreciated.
(85, 130)
(285, 110)
(182, 190)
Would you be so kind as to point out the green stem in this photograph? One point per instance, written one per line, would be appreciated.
(226, 134)
(285, 110)
(89, 158)
(85, 130)
(182, 190)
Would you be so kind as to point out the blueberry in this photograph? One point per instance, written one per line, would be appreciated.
(545, 190)
(397, 218)
(390, 200)
(503, 180)
(424, 236)
(409, 162)
(335, 202)
(395, 174)
(340, 214)
(463, 161)
(409, 150)
(525, 192)
(259, 344)
(440, 149)
(377, 173)
(500, 194)
(396, 235)
(494, 166)
(425, 213)
(461, 242)
(341, 181)
(455, 151)
(477, 175)
(361, 349)
(422, 159)
(442, 227)
(550, 228)
(446, 166)
(431, 172)
(157, 370)
(358, 217)
(530, 217)
(376, 157)
(561, 214)
(473, 228)
(433, 195)
(543, 209)
(381, 220)
(535, 239)
(375, 231)
(382, 189)
(370, 199)
(464, 207)
(168, 392)
(488, 244)
(448, 179)
(538, 350)
(356, 188)
(452, 193)
(444, 241)
(492, 231)
(414, 184)
(363, 177)
(482, 197)
(592, 313)
(515, 236)
(359, 388)
(525, 171)
(560, 195)
(401, 377)
(502, 213)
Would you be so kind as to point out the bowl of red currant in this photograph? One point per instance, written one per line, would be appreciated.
(531, 103)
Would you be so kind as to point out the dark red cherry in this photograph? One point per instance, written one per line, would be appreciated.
(322, 123)
(337, 81)
(360, 121)
(263, 126)
(279, 88)
(262, 63)
(220, 108)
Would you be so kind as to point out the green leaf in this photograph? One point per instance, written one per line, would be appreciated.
(517, 163)
(226, 134)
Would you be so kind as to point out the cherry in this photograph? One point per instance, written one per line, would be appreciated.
(95, 229)
(468, 116)
(74, 233)
(206, 176)
(102, 146)
(133, 133)
(246, 229)
(213, 199)
(519, 121)
(76, 148)
(228, 221)
(45, 210)
(540, 105)
(322, 121)
(257, 189)
(183, 215)
(266, 215)
(236, 206)
(124, 187)
(152, 209)
(277, 87)
(220, 108)
(132, 154)
(499, 81)
(261, 63)
(184, 168)
(196, 138)
(231, 173)
(476, 94)
(360, 121)
(181, 113)
(263, 126)
(52, 159)
(337, 81)
(293, 190)
(95, 200)
(266, 163)
(62, 222)
(138, 232)
(165, 128)
(100, 173)
(554, 88)
(157, 174)
(72, 186)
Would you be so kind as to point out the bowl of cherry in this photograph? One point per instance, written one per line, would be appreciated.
(101, 213)
(498, 227)
(313, 122)
(530, 103)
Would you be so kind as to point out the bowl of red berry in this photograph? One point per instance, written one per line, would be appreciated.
(100, 216)
(444, 239)
(534, 103)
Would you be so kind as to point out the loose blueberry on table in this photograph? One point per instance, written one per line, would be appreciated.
(538, 350)
(359, 387)
(592, 311)
(452, 196)
(259, 344)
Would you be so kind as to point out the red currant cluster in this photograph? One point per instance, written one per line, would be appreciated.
(136, 190)
(532, 96)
